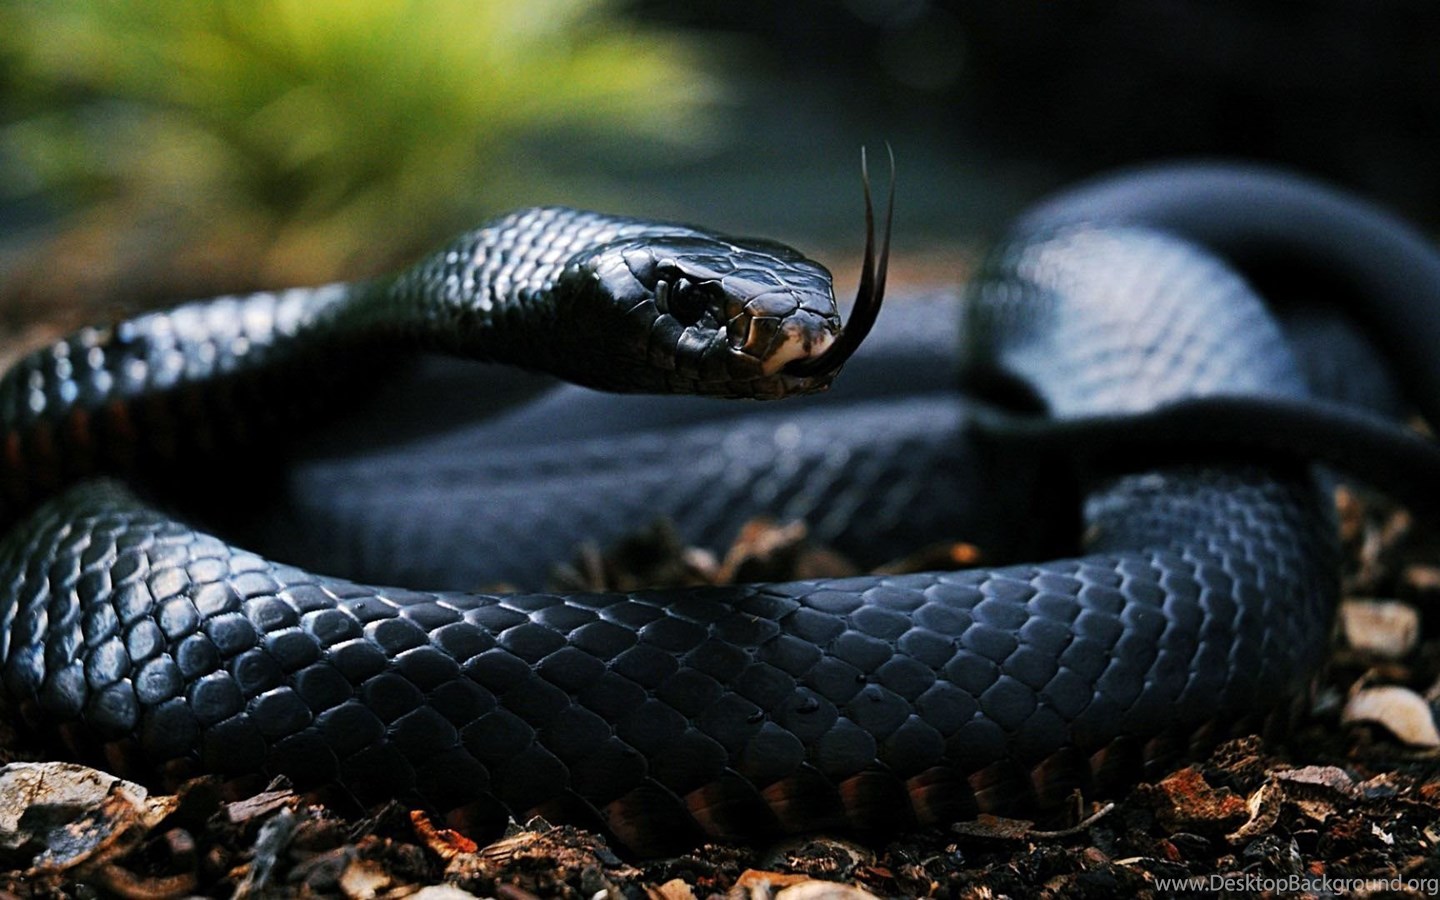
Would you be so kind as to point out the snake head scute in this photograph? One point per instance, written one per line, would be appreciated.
(689, 312)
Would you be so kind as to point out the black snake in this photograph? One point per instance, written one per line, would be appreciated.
(1198, 606)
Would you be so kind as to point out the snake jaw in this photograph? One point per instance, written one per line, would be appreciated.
(792, 339)
(777, 327)
(871, 293)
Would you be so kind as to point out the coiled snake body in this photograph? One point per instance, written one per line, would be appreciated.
(1200, 601)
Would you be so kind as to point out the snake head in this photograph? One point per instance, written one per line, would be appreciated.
(689, 312)
(685, 311)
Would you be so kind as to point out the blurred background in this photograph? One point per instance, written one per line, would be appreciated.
(154, 151)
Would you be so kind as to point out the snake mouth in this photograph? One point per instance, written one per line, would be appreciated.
(869, 296)
(775, 341)
(798, 341)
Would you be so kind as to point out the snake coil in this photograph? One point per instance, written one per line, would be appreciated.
(1198, 606)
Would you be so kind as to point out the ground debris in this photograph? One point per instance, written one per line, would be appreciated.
(763, 550)
(61, 821)
(543, 860)
(1185, 801)
(261, 804)
(1399, 710)
(1386, 629)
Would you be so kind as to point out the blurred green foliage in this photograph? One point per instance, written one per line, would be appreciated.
(345, 132)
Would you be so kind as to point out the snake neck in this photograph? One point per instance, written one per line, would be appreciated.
(222, 374)
(496, 293)
(204, 377)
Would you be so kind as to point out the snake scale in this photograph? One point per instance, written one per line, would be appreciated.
(1194, 601)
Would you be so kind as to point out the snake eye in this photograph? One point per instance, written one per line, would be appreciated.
(682, 299)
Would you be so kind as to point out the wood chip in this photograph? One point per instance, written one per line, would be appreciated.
(995, 828)
(1398, 710)
(1185, 801)
(1422, 576)
(1331, 779)
(363, 879)
(261, 804)
(1384, 628)
(445, 843)
(674, 889)
(70, 815)
(1265, 808)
